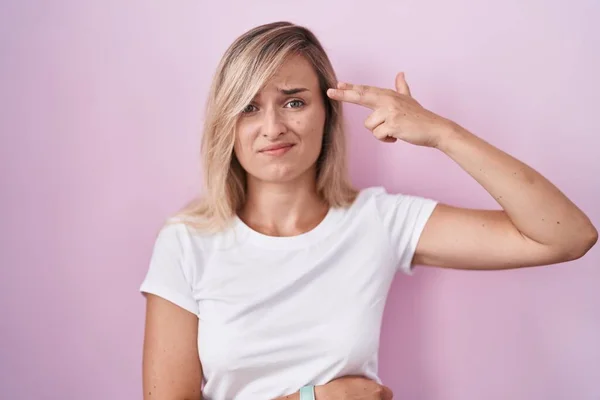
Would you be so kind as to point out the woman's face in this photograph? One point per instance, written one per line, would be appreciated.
(279, 134)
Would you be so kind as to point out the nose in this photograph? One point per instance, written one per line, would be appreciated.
(273, 125)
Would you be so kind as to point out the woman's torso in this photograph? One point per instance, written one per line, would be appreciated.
(279, 313)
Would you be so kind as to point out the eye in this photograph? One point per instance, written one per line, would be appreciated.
(295, 104)
(248, 109)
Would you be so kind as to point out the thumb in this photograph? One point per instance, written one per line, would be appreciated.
(401, 85)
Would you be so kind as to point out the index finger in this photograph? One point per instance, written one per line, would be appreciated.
(367, 99)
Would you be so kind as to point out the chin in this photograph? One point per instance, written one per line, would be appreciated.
(281, 173)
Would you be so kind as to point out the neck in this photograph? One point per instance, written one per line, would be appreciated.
(283, 208)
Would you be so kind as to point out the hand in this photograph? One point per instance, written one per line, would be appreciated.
(353, 388)
(396, 115)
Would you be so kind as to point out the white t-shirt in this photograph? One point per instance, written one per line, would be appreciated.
(278, 313)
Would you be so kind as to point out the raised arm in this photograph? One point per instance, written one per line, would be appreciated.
(538, 224)
(171, 364)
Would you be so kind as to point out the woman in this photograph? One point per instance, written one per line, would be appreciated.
(276, 280)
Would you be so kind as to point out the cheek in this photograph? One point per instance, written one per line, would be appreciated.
(311, 123)
(242, 146)
(311, 130)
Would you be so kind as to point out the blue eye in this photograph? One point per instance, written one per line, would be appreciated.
(298, 103)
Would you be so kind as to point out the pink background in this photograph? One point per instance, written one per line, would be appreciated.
(100, 110)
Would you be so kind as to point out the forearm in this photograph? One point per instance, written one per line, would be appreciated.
(537, 208)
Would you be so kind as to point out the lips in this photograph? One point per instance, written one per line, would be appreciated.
(276, 147)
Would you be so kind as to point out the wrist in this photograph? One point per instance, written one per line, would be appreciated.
(307, 392)
(321, 393)
(449, 133)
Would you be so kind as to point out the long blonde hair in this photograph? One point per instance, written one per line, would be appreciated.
(250, 61)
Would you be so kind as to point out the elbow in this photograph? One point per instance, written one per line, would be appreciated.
(592, 238)
(582, 243)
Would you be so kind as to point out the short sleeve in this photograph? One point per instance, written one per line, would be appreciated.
(404, 218)
(168, 275)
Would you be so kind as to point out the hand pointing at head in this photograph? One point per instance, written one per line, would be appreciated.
(396, 115)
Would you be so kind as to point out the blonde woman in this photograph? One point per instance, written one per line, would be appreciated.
(274, 283)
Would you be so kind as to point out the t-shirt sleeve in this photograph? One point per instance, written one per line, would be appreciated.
(404, 217)
(169, 275)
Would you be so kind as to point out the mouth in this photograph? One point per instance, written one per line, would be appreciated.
(277, 150)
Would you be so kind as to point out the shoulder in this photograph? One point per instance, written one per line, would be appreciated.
(178, 243)
(173, 232)
(182, 227)
(192, 238)
(388, 204)
(178, 238)
(171, 243)
(369, 195)
(381, 197)
(380, 193)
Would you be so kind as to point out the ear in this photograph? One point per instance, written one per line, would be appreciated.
(401, 85)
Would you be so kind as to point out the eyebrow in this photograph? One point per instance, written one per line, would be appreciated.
(293, 91)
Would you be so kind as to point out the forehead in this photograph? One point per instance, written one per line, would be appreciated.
(295, 71)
